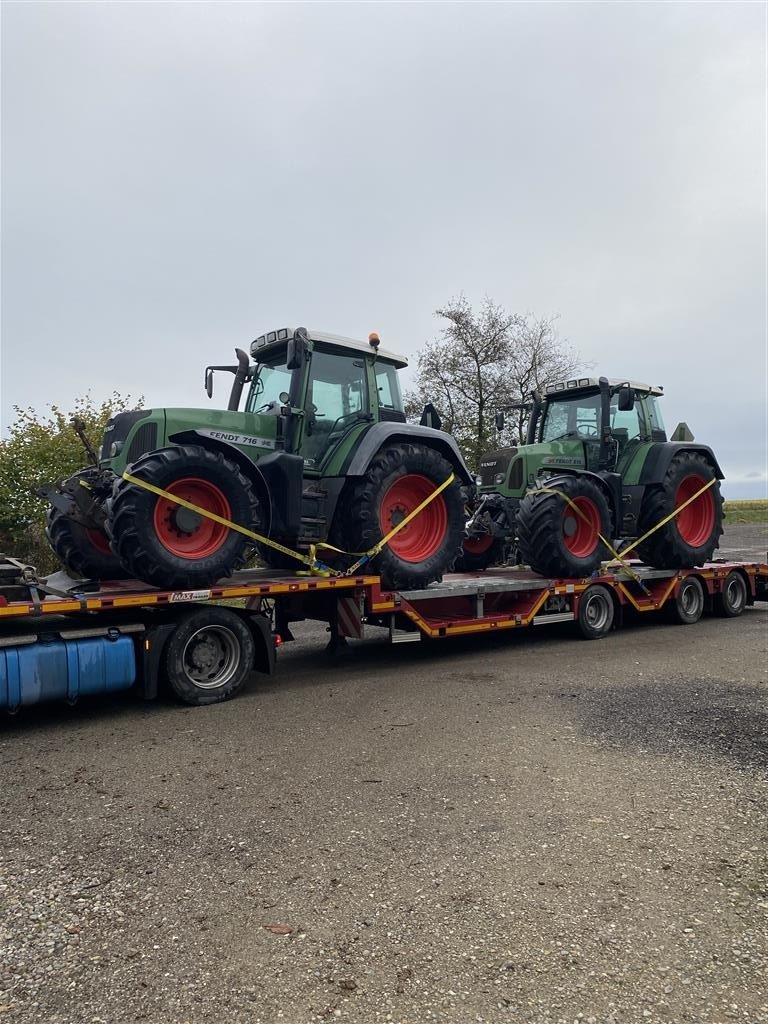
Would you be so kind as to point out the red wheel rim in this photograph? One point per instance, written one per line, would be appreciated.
(183, 534)
(478, 545)
(422, 537)
(696, 522)
(581, 535)
(99, 541)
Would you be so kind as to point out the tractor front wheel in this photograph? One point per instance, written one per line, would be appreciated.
(168, 545)
(693, 535)
(558, 529)
(398, 480)
(477, 553)
(84, 551)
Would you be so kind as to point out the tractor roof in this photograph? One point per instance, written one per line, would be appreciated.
(587, 384)
(265, 341)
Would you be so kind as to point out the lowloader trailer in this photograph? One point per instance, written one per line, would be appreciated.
(61, 639)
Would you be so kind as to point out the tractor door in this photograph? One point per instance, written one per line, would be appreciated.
(628, 430)
(336, 399)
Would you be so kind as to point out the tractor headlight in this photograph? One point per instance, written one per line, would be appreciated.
(115, 448)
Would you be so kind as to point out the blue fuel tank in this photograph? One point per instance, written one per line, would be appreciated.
(56, 669)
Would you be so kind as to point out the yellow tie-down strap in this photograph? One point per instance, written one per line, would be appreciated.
(620, 557)
(314, 566)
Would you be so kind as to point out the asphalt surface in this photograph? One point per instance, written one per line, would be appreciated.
(528, 828)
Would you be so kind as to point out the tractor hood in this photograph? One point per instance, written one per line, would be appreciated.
(129, 435)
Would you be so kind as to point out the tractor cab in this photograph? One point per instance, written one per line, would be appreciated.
(610, 419)
(323, 386)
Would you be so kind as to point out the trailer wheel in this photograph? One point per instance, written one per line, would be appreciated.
(208, 656)
(596, 612)
(732, 599)
(688, 605)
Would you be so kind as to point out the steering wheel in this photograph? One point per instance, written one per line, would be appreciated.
(587, 429)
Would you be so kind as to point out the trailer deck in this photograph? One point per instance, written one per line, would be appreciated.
(205, 642)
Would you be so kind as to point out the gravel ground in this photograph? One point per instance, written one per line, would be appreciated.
(527, 828)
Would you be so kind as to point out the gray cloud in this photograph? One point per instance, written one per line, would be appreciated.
(178, 178)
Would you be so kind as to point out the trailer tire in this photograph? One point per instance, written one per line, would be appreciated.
(168, 546)
(398, 479)
(208, 656)
(687, 606)
(596, 612)
(692, 536)
(553, 539)
(84, 552)
(732, 599)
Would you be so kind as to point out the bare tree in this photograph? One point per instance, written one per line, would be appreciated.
(485, 360)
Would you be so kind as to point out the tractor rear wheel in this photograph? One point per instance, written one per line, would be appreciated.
(170, 546)
(557, 540)
(398, 480)
(693, 535)
(84, 551)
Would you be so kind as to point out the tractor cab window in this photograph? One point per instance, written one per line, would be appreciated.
(336, 396)
(627, 427)
(656, 421)
(577, 418)
(388, 387)
(271, 381)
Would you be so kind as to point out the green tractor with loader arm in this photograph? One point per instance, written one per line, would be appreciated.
(320, 453)
(596, 464)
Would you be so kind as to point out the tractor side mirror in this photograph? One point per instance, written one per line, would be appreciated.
(430, 417)
(626, 398)
(209, 381)
(297, 350)
(500, 420)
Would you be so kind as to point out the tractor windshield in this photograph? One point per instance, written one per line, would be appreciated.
(572, 417)
(272, 380)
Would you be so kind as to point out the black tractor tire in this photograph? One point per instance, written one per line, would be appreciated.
(208, 656)
(398, 479)
(687, 606)
(732, 599)
(84, 552)
(692, 537)
(168, 546)
(553, 539)
(476, 557)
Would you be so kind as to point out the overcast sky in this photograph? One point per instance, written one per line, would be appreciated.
(177, 179)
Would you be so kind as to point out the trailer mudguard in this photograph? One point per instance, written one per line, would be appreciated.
(659, 457)
(264, 660)
(381, 434)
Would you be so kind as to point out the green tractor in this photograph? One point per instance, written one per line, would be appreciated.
(321, 452)
(602, 445)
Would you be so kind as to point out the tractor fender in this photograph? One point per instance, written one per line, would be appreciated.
(609, 484)
(659, 457)
(381, 434)
(278, 478)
